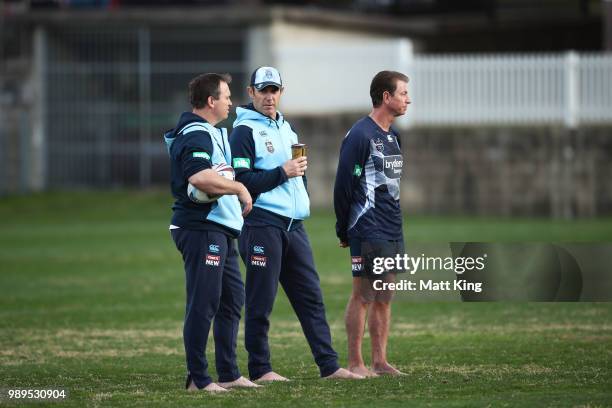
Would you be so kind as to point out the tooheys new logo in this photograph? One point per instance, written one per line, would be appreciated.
(258, 260)
(392, 166)
(212, 260)
(356, 263)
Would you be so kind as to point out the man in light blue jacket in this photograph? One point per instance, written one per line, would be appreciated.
(274, 245)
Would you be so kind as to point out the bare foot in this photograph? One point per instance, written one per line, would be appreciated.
(270, 377)
(386, 369)
(345, 374)
(212, 387)
(363, 371)
(241, 382)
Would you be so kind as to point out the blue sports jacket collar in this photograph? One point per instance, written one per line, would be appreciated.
(248, 112)
(185, 119)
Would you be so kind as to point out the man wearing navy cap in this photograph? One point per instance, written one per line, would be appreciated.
(274, 245)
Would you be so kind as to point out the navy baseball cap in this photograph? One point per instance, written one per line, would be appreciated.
(266, 76)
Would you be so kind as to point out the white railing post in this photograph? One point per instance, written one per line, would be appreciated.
(405, 58)
(570, 119)
(572, 95)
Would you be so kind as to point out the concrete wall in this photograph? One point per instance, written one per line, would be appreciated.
(483, 171)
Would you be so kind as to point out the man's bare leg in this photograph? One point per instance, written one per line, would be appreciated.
(356, 313)
(379, 322)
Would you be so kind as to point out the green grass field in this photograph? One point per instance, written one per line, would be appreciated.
(92, 291)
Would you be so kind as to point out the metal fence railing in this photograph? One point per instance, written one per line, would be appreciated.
(110, 93)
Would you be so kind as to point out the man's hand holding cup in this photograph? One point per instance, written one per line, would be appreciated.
(296, 167)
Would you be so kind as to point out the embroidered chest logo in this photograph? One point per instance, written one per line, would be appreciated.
(378, 143)
(269, 146)
(390, 138)
(263, 133)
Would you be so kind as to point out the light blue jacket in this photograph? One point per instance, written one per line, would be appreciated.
(273, 140)
(193, 132)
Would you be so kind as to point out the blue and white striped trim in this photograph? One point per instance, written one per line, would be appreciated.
(192, 127)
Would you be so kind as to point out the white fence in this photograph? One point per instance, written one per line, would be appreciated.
(568, 89)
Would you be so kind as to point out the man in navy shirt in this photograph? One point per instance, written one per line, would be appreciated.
(204, 233)
(274, 245)
(369, 219)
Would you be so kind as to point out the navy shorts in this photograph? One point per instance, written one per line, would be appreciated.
(363, 253)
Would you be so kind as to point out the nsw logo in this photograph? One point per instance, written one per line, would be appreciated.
(212, 260)
(258, 249)
(213, 248)
(380, 146)
(269, 146)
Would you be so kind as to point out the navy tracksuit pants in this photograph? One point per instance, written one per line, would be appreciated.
(274, 255)
(215, 292)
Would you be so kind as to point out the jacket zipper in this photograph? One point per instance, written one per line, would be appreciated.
(291, 183)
